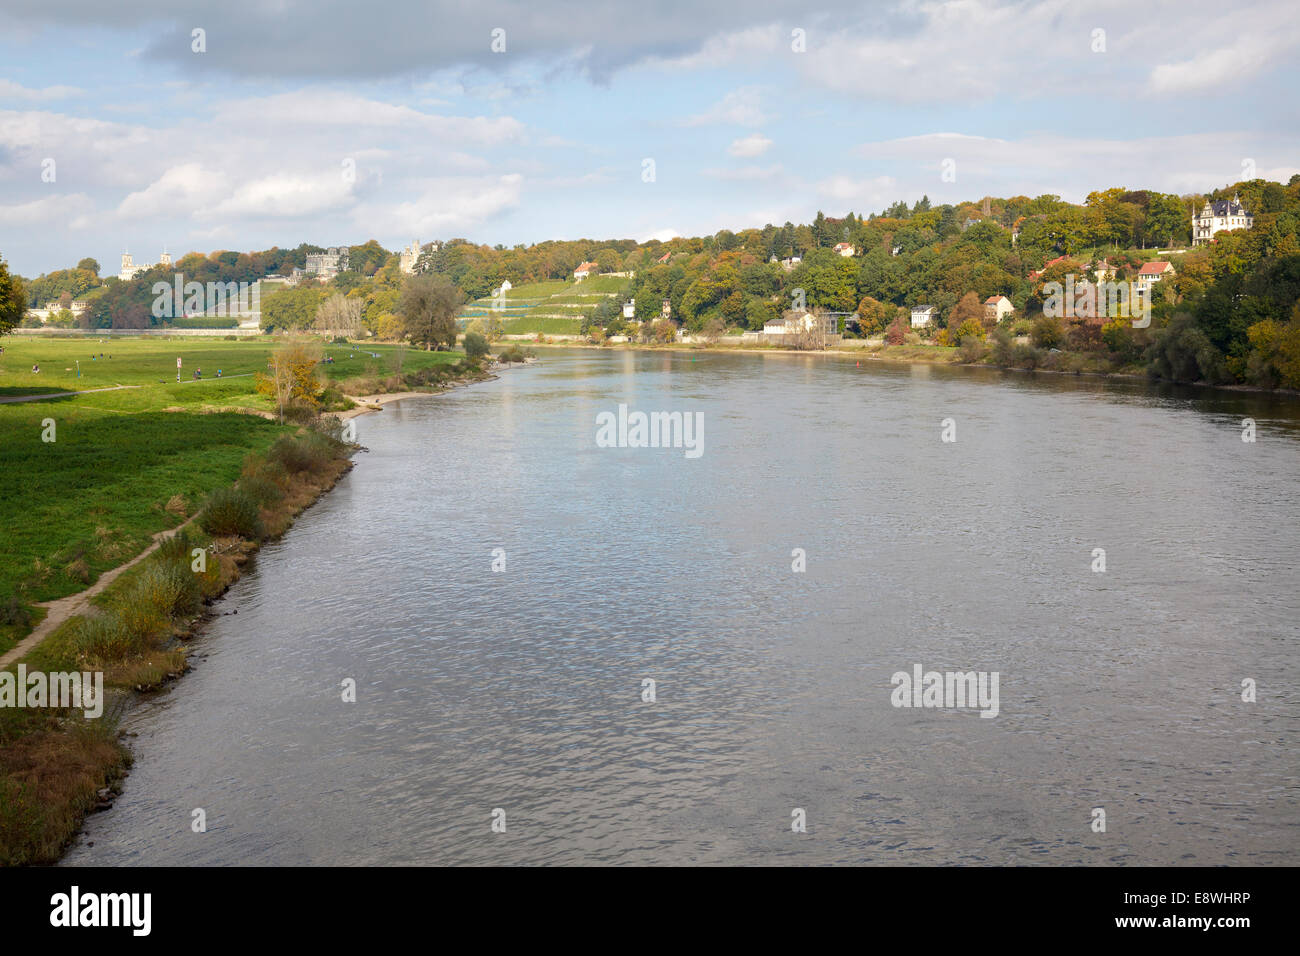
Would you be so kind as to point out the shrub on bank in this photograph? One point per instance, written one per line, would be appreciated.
(263, 490)
(309, 451)
(108, 637)
(168, 588)
(476, 345)
(13, 613)
(231, 512)
(972, 349)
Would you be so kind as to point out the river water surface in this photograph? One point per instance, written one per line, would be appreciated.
(522, 689)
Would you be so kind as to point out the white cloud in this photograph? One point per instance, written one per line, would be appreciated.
(445, 205)
(726, 48)
(660, 235)
(284, 196)
(9, 90)
(51, 211)
(1214, 69)
(177, 191)
(755, 144)
(862, 193)
(322, 108)
(746, 173)
(740, 107)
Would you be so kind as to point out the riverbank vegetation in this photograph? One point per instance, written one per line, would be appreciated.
(103, 472)
(56, 764)
(224, 462)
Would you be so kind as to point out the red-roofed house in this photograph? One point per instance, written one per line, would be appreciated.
(996, 306)
(844, 249)
(584, 270)
(664, 258)
(1151, 273)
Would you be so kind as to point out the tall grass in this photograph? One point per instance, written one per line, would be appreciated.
(231, 512)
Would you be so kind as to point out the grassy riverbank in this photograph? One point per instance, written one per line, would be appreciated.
(94, 479)
(96, 475)
(55, 764)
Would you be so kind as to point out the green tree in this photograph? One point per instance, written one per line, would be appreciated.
(428, 308)
(13, 300)
(1048, 332)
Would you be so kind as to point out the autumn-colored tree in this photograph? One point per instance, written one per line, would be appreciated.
(896, 334)
(874, 315)
(968, 308)
(293, 376)
(1048, 332)
(664, 331)
(971, 328)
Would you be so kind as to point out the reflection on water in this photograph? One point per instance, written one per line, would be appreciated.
(522, 689)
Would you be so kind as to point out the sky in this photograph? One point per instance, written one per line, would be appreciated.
(145, 125)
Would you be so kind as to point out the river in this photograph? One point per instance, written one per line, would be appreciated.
(522, 689)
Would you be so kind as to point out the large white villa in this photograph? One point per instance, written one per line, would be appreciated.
(1218, 216)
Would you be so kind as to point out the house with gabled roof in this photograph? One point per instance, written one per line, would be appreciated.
(997, 306)
(1220, 216)
(1151, 273)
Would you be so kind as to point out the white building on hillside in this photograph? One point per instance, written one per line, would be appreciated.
(1218, 216)
(130, 269)
(923, 315)
(409, 257)
(996, 307)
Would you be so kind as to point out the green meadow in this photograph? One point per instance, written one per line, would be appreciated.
(150, 360)
(127, 463)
